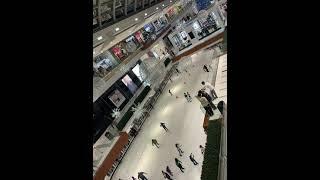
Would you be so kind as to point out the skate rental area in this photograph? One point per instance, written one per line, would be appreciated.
(183, 124)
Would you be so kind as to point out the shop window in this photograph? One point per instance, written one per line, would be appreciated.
(130, 84)
(191, 35)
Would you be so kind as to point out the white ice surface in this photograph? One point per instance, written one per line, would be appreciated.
(184, 121)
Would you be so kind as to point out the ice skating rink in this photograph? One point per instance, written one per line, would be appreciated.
(184, 121)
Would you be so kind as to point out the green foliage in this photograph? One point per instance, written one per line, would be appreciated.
(211, 156)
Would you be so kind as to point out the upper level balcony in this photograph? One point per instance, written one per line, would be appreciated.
(109, 12)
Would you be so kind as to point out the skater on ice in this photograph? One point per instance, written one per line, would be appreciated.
(133, 178)
(169, 171)
(142, 176)
(192, 159)
(178, 163)
(166, 175)
(155, 142)
(164, 126)
(178, 146)
(205, 68)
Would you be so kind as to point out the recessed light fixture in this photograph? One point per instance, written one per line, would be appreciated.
(157, 8)
(163, 5)
(117, 29)
(170, 0)
(94, 52)
(99, 38)
(136, 19)
(101, 51)
(145, 14)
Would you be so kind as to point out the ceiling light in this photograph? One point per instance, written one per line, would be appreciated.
(136, 19)
(145, 14)
(99, 38)
(101, 51)
(163, 5)
(94, 52)
(157, 8)
(170, 0)
(117, 29)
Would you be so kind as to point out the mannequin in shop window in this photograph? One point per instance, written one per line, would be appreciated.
(123, 51)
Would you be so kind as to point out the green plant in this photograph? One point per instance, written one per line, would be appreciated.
(211, 156)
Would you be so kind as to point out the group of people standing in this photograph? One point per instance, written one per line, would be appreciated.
(188, 97)
(206, 95)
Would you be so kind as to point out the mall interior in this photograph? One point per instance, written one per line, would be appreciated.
(142, 49)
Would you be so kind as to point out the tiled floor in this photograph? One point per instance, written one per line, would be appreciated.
(184, 121)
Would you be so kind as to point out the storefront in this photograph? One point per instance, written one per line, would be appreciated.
(181, 40)
(160, 23)
(132, 44)
(104, 63)
(204, 26)
(138, 35)
(120, 51)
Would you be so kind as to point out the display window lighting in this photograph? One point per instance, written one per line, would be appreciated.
(99, 38)
(117, 29)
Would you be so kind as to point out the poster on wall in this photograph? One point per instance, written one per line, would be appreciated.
(116, 98)
(130, 84)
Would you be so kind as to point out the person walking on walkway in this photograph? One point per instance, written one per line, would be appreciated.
(133, 178)
(164, 126)
(178, 146)
(155, 142)
(202, 149)
(178, 163)
(142, 176)
(169, 171)
(192, 159)
(170, 92)
(209, 86)
(166, 175)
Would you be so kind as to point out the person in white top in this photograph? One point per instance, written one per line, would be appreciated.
(209, 86)
(205, 104)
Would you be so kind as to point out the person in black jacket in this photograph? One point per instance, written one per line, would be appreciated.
(178, 163)
(192, 159)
